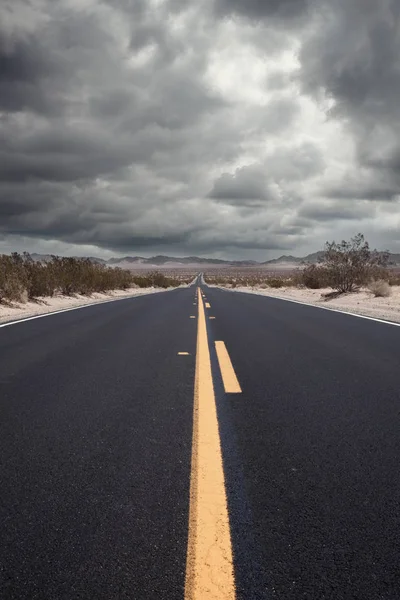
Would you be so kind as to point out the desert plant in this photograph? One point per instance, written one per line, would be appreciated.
(313, 276)
(275, 282)
(380, 288)
(12, 280)
(21, 277)
(350, 264)
(393, 278)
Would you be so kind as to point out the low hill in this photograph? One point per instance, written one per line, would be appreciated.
(172, 262)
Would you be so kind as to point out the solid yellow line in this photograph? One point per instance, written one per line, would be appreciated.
(229, 378)
(209, 565)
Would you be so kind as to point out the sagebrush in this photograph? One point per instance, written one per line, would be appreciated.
(23, 278)
(380, 288)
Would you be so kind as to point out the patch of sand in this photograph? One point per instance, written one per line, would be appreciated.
(361, 303)
(49, 305)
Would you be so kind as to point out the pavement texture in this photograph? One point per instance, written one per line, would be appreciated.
(96, 424)
(311, 449)
(95, 446)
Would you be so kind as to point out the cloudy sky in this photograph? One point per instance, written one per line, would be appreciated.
(225, 128)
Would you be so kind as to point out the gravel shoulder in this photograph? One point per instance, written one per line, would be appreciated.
(362, 302)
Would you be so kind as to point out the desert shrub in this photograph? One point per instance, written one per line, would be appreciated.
(12, 280)
(393, 278)
(380, 288)
(21, 277)
(350, 264)
(313, 277)
(38, 277)
(275, 282)
(156, 279)
(11, 288)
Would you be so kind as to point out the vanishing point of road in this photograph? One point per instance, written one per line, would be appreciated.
(199, 444)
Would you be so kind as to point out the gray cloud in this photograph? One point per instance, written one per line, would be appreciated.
(247, 186)
(115, 125)
(261, 9)
(295, 163)
(353, 57)
(360, 191)
(329, 211)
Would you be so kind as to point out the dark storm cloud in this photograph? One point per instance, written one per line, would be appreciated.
(326, 212)
(113, 131)
(25, 67)
(81, 115)
(261, 9)
(22, 60)
(247, 186)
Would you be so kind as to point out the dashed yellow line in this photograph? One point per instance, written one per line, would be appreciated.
(209, 566)
(183, 354)
(208, 305)
(229, 378)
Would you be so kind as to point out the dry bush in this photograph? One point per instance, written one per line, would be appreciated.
(380, 288)
(156, 279)
(275, 282)
(12, 279)
(350, 264)
(393, 278)
(313, 277)
(22, 278)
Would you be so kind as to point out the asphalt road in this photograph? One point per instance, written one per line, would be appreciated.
(96, 419)
(95, 447)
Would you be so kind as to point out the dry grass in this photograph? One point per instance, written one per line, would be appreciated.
(380, 288)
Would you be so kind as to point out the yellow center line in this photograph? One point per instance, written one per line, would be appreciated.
(229, 378)
(209, 565)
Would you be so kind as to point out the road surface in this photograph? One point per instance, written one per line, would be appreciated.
(108, 441)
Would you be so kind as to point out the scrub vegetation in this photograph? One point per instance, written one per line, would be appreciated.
(344, 267)
(23, 279)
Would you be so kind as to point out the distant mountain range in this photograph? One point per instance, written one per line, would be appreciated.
(136, 262)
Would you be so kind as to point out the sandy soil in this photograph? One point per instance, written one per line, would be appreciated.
(48, 305)
(361, 303)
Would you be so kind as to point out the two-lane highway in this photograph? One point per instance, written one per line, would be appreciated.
(181, 447)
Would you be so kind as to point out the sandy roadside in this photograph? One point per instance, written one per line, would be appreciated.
(57, 303)
(361, 303)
